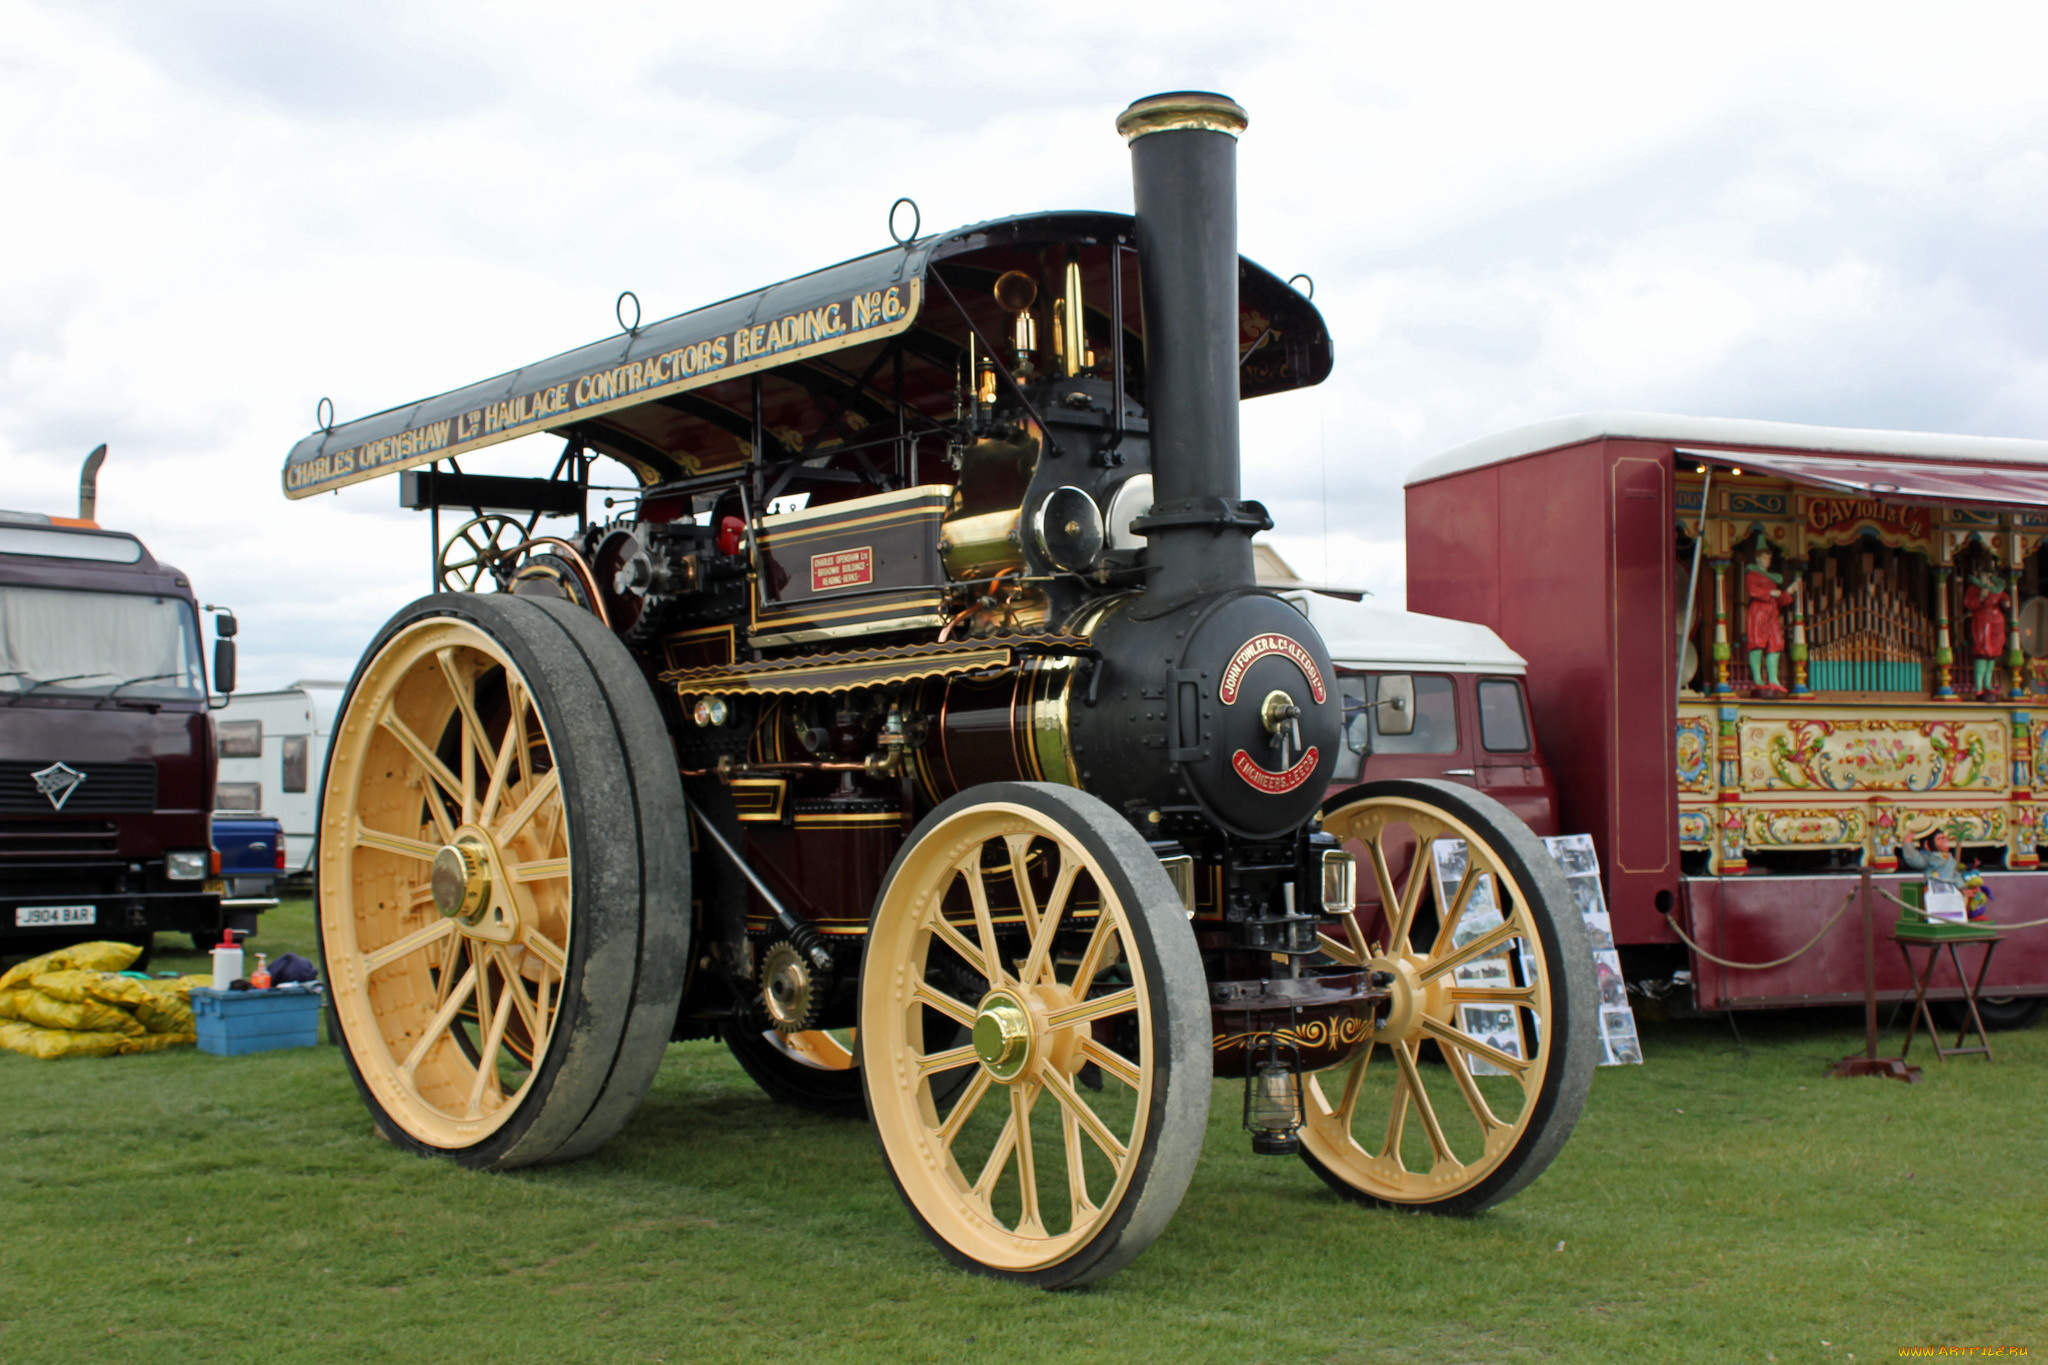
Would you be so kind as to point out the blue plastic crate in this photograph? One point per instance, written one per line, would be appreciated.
(232, 1023)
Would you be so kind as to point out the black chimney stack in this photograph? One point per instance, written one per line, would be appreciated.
(1184, 182)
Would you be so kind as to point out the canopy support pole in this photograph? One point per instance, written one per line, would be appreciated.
(1692, 587)
(754, 462)
(906, 459)
(434, 538)
(1117, 251)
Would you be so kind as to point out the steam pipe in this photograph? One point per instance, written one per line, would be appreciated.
(89, 483)
(1184, 189)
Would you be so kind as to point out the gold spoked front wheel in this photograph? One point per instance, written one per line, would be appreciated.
(1034, 1034)
(1481, 1061)
(462, 947)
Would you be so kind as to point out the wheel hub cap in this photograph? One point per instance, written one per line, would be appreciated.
(1408, 1000)
(462, 881)
(1002, 1037)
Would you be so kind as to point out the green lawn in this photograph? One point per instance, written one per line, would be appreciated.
(1714, 1205)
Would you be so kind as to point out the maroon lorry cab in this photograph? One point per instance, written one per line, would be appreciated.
(1471, 710)
(106, 746)
(1761, 658)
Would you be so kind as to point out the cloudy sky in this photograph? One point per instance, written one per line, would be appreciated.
(219, 212)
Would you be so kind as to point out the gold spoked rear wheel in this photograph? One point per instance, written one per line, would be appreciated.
(461, 995)
(1034, 1034)
(819, 1049)
(816, 1070)
(1481, 1061)
(458, 947)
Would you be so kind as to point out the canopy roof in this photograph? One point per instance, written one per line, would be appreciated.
(1908, 480)
(673, 398)
(1728, 433)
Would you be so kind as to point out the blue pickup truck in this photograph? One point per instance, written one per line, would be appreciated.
(252, 867)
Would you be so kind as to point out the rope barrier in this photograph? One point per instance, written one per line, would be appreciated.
(1808, 947)
(1679, 929)
(1974, 924)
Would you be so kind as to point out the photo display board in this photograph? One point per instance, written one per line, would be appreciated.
(1512, 966)
(1619, 1045)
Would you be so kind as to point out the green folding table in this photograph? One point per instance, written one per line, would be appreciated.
(1914, 930)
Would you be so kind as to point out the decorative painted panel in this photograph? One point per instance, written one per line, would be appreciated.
(1757, 778)
(1969, 824)
(1833, 519)
(1750, 502)
(1695, 751)
(2027, 833)
(1870, 754)
(1769, 827)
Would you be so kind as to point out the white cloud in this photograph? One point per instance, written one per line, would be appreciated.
(220, 212)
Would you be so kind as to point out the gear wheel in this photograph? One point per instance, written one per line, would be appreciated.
(792, 990)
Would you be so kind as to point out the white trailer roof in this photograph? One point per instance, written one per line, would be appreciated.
(315, 700)
(1556, 432)
(1365, 635)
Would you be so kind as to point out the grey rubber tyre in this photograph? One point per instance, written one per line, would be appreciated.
(2000, 1013)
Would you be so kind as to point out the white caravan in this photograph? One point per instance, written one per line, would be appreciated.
(273, 746)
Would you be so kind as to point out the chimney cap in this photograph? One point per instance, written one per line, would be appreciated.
(1202, 109)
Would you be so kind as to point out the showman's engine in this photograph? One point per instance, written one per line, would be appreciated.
(916, 725)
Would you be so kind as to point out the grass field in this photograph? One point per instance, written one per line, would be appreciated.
(1715, 1204)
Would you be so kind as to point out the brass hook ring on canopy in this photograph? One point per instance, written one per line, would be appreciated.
(1308, 293)
(619, 311)
(323, 414)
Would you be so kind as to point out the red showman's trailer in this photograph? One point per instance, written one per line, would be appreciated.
(1763, 658)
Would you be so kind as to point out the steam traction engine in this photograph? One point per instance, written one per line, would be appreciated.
(919, 731)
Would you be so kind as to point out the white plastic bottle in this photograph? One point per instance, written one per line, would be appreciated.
(227, 960)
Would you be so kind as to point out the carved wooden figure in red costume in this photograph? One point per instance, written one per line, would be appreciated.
(1765, 627)
(1985, 599)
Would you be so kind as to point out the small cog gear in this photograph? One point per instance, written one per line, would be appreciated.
(791, 990)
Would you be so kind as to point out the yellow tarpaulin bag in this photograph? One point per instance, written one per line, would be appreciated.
(77, 987)
(180, 986)
(51, 1043)
(87, 1011)
(80, 1016)
(163, 1012)
(169, 1007)
(89, 957)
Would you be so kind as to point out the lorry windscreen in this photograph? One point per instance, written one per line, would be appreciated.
(60, 642)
